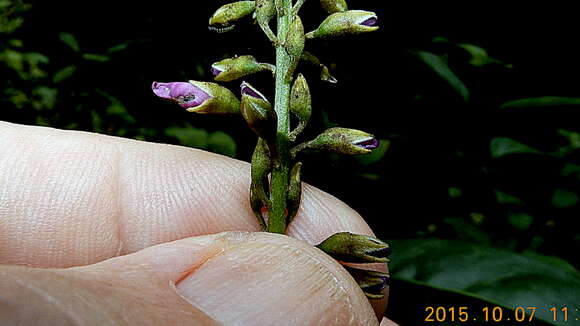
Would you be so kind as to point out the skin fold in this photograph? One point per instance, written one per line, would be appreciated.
(99, 230)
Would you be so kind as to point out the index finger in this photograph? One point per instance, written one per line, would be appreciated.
(72, 198)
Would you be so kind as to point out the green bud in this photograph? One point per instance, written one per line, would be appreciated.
(234, 68)
(294, 192)
(258, 112)
(265, 11)
(261, 167)
(300, 105)
(326, 76)
(294, 44)
(355, 248)
(332, 6)
(371, 282)
(343, 23)
(230, 13)
(341, 141)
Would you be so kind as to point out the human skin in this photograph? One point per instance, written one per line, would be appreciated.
(99, 230)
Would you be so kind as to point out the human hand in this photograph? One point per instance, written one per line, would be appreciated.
(107, 230)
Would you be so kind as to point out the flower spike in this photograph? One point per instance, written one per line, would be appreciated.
(199, 97)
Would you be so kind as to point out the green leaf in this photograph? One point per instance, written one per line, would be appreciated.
(479, 56)
(376, 155)
(454, 192)
(467, 231)
(440, 67)
(222, 143)
(507, 199)
(498, 276)
(118, 47)
(44, 97)
(63, 74)
(96, 57)
(542, 102)
(564, 199)
(189, 136)
(520, 221)
(70, 40)
(502, 146)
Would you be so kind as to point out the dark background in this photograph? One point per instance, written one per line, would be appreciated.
(481, 188)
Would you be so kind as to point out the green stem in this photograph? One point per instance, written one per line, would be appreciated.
(281, 163)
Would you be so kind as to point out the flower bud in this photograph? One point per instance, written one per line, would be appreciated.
(324, 72)
(343, 141)
(294, 44)
(343, 23)
(199, 97)
(261, 167)
(300, 105)
(326, 76)
(371, 282)
(265, 11)
(332, 6)
(228, 14)
(234, 68)
(294, 192)
(355, 248)
(258, 112)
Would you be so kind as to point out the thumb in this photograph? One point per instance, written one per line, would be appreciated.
(228, 278)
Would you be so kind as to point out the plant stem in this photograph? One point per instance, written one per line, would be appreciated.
(281, 163)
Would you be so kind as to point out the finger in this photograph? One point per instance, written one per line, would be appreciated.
(229, 278)
(73, 198)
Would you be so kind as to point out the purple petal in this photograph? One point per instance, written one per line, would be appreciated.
(371, 22)
(185, 94)
(250, 91)
(215, 71)
(368, 144)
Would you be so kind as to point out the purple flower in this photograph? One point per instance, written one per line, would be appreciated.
(368, 144)
(371, 22)
(185, 94)
(215, 71)
(247, 89)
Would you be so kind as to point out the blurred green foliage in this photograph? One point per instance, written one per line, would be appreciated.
(477, 179)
